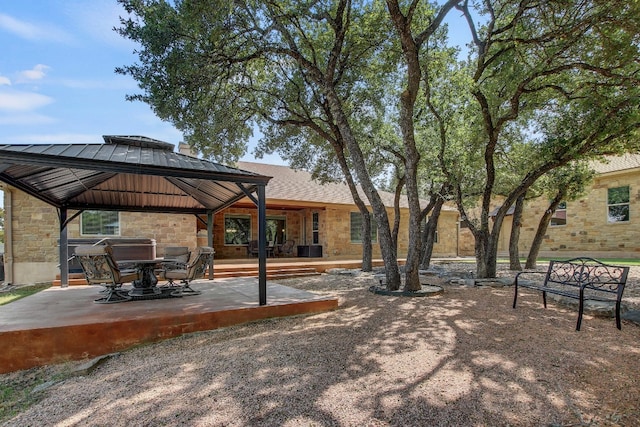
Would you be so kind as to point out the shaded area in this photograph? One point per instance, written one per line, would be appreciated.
(461, 358)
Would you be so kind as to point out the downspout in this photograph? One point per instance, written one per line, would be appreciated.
(8, 236)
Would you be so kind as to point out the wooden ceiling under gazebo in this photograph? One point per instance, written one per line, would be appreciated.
(130, 173)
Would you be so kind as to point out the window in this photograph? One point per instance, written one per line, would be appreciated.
(237, 229)
(618, 204)
(276, 230)
(356, 228)
(100, 223)
(559, 217)
(316, 228)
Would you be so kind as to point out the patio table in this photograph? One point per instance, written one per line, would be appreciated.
(146, 285)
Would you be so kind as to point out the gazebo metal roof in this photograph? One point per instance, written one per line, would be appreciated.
(130, 173)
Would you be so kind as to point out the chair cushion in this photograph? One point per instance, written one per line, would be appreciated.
(183, 259)
(175, 252)
(175, 274)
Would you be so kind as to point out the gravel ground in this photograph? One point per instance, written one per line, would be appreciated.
(462, 358)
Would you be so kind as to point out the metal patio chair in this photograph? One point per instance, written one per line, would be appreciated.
(286, 249)
(100, 268)
(252, 248)
(186, 272)
(174, 258)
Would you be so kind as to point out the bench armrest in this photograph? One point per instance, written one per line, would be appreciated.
(528, 272)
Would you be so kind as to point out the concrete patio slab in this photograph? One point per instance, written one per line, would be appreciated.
(61, 324)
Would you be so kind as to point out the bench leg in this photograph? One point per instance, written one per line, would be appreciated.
(544, 299)
(618, 324)
(580, 309)
(515, 292)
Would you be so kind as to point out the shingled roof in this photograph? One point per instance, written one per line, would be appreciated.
(290, 185)
(617, 164)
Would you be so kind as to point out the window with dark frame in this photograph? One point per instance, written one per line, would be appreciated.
(356, 228)
(315, 228)
(100, 223)
(618, 204)
(237, 229)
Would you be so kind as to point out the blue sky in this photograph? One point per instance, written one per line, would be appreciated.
(57, 79)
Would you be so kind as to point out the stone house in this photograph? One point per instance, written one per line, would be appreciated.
(604, 223)
(322, 220)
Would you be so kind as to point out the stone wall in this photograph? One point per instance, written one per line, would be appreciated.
(587, 231)
(334, 232)
(36, 234)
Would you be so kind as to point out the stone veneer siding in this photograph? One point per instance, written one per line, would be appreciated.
(36, 234)
(587, 232)
(334, 232)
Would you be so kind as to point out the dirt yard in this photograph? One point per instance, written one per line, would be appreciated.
(462, 358)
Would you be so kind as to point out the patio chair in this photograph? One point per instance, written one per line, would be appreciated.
(100, 268)
(194, 269)
(177, 253)
(174, 257)
(286, 249)
(252, 248)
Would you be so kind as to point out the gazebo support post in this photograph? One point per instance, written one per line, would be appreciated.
(64, 248)
(210, 240)
(262, 245)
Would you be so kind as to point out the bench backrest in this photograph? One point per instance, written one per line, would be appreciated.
(588, 272)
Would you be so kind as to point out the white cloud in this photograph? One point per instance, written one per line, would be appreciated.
(4, 81)
(35, 32)
(36, 73)
(22, 101)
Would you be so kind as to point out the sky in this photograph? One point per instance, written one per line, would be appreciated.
(57, 78)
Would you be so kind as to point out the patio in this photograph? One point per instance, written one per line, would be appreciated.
(61, 324)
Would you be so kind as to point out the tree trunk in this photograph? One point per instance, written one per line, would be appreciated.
(388, 251)
(429, 234)
(514, 238)
(396, 210)
(412, 265)
(481, 242)
(367, 262)
(487, 248)
(367, 248)
(542, 230)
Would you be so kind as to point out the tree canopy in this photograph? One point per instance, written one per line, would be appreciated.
(366, 83)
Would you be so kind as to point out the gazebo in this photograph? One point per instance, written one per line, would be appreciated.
(131, 173)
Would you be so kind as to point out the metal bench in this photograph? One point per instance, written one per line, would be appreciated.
(578, 278)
